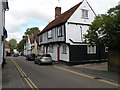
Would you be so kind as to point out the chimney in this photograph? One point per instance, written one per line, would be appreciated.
(57, 11)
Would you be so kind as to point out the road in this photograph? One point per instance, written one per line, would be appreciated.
(55, 76)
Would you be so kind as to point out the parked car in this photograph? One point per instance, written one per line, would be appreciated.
(43, 59)
(15, 55)
(30, 57)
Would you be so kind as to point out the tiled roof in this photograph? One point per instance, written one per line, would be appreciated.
(61, 19)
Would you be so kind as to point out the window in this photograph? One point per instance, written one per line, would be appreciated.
(64, 49)
(51, 49)
(106, 49)
(60, 31)
(43, 49)
(49, 34)
(84, 13)
(91, 49)
(40, 38)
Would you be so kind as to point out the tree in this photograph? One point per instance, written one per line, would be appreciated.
(12, 44)
(21, 45)
(32, 31)
(105, 29)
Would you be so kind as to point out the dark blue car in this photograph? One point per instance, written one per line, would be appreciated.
(15, 55)
(30, 57)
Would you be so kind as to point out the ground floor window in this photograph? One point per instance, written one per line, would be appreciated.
(64, 51)
(91, 49)
(51, 49)
(43, 49)
(106, 49)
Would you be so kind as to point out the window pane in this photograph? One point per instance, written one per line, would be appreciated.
(85, 13)
(49, 34)
(60, 31)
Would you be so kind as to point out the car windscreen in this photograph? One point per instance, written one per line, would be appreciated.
(46, 55)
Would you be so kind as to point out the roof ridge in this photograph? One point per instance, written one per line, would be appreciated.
(62, 18)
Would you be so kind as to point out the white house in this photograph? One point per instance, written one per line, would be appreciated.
(3, 32)
(63, 37)
(7, 49)
(35, 47)
(28, 45)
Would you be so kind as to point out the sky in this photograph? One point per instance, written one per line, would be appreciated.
(25, 14)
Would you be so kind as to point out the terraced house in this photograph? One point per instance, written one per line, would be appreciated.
(3, 32)
(63, 37)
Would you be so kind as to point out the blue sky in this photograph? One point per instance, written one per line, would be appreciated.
(30, 24)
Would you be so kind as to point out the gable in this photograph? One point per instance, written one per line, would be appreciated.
(77, 15)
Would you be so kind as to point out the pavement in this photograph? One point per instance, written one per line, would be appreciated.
(12, 79)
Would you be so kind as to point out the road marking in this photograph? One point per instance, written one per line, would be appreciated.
(26, 78)
(88, 76)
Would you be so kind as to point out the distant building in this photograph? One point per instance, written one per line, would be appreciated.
(31, 45)
(3, 32)
(7, 49)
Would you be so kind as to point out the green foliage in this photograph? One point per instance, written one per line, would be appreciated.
(105, 29)
(29, 31)
(12, 44)
(32, 31)
(21, 45)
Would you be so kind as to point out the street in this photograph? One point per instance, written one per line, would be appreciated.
(30, 75)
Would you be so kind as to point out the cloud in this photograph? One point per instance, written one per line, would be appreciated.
(23, 14)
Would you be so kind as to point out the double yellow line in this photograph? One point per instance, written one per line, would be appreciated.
(88, 76)
(26, 78)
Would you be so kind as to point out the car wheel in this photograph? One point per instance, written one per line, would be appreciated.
(39, 63)
(51, 63)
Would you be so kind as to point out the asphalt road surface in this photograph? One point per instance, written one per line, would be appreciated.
(55, 76)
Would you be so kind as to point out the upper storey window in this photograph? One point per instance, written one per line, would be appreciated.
(60, 31)
(84, 13)
(49, 34)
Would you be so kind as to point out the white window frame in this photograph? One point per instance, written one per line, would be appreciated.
(85, 13)
(41, 38)
(59, 31)
(51, 49)
(91, 49)
(49, 34)
(43, 50)
(64, 47)
(106, 49)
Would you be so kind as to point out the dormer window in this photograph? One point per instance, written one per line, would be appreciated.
(84, 13)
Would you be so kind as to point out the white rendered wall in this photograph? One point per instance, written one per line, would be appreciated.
(77, 15)
(73, 31)
(54, 54)
(64, 57)
(0, 30)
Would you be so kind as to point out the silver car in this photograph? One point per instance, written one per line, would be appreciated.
(43, 59)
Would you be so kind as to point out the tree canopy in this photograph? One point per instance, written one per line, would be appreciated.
(105, 29)
(32, 31)
(12, 44)
(21, 45)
